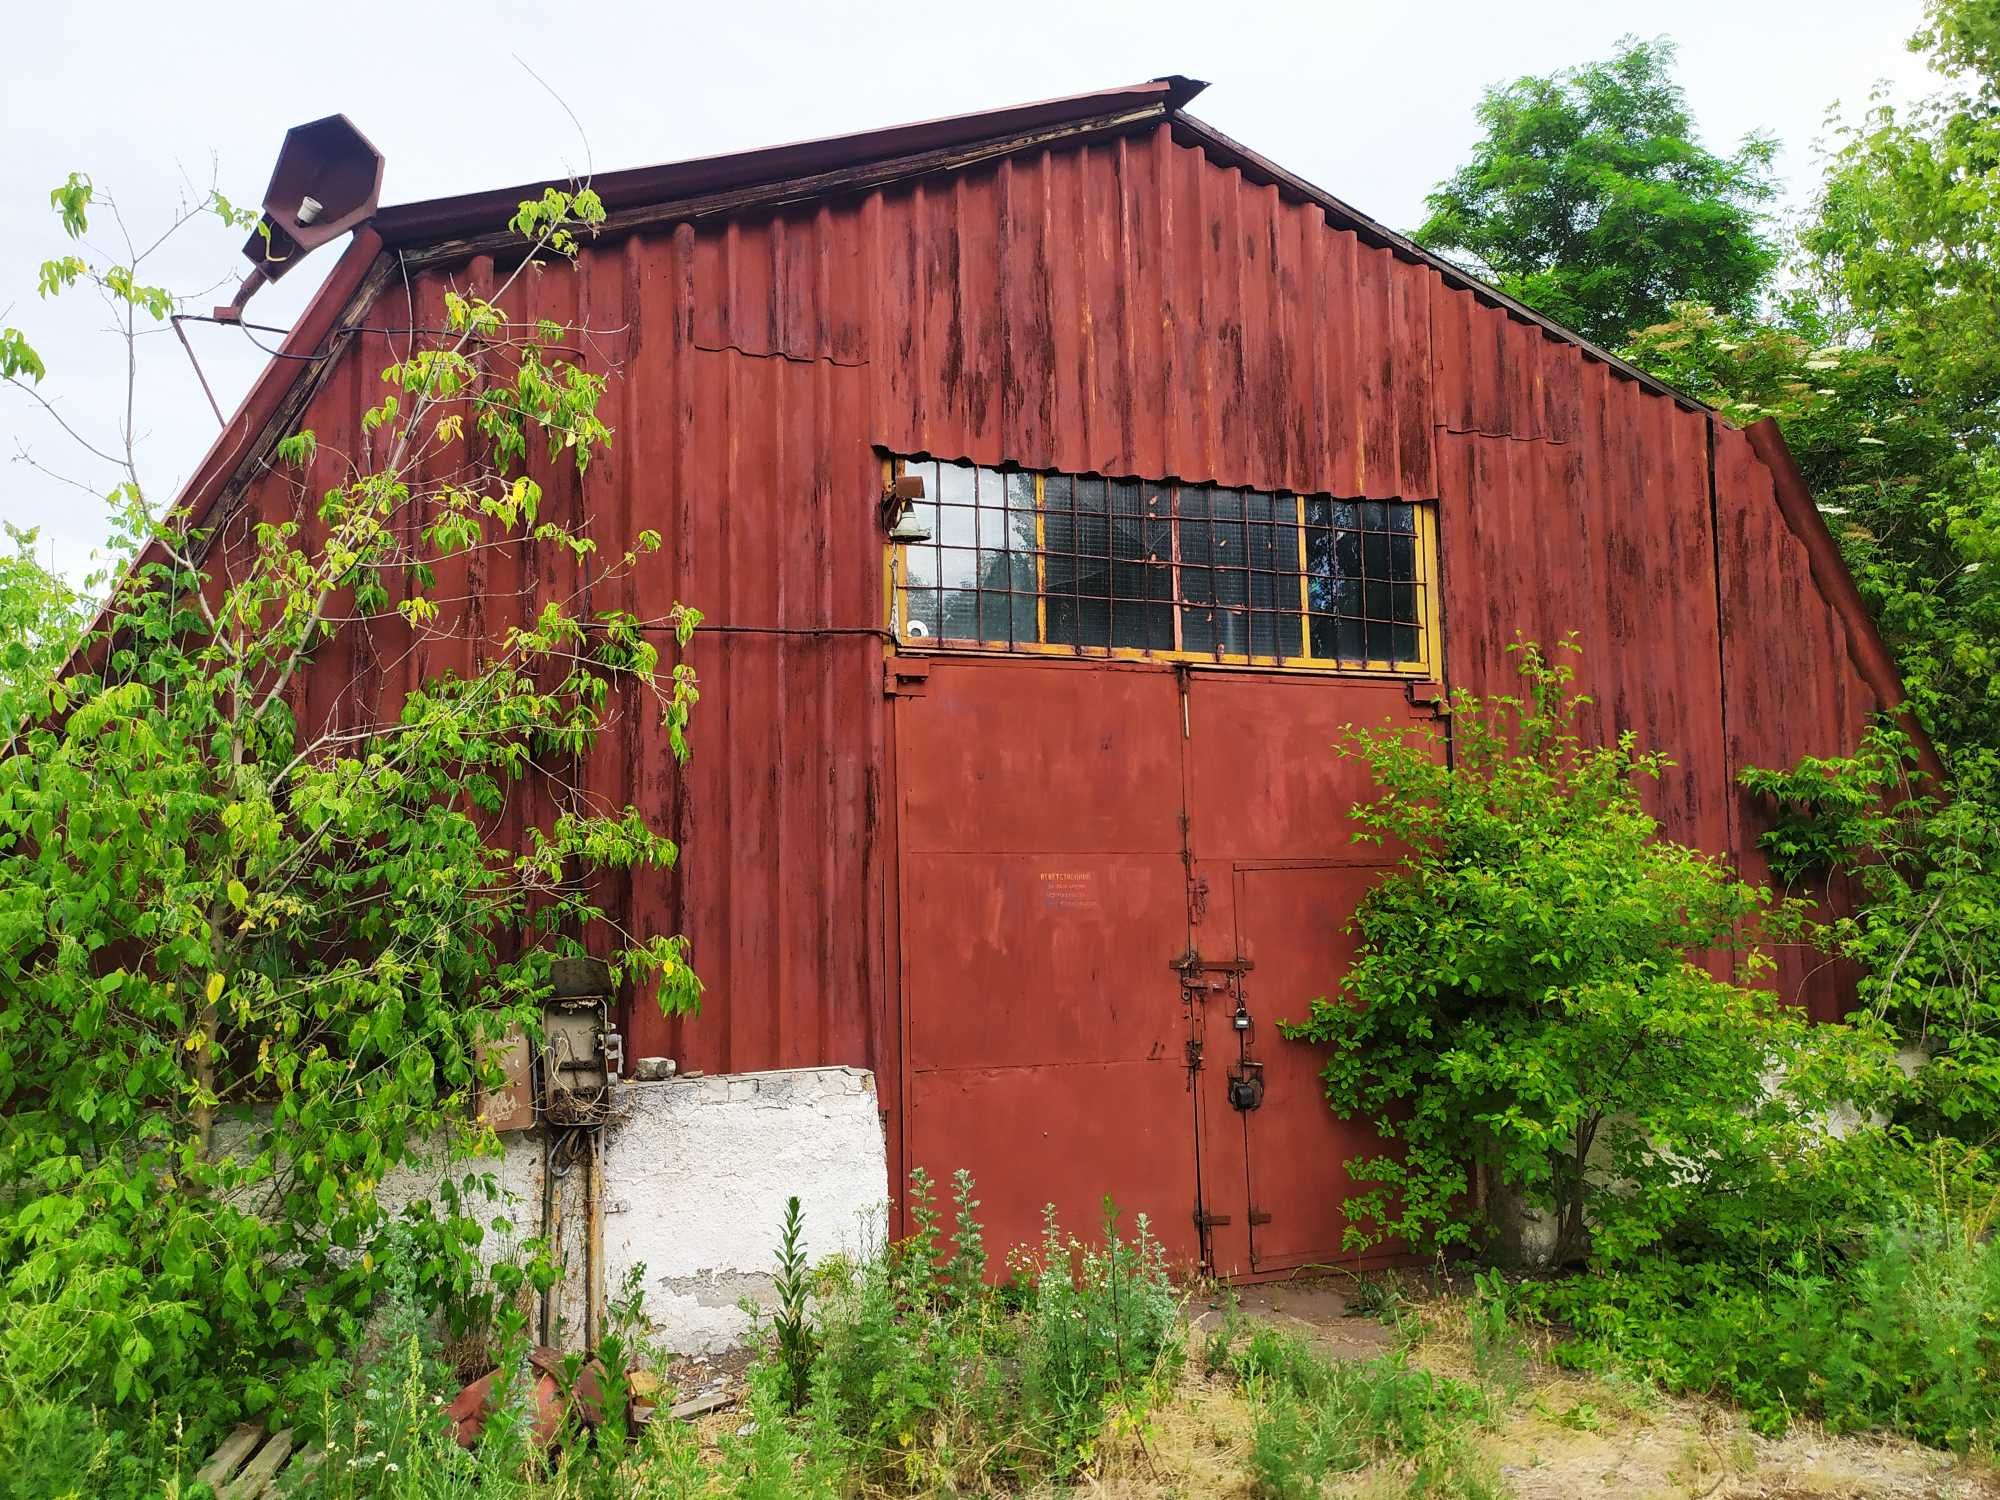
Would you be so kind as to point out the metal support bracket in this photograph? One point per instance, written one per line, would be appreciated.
(1428, 698)
(905, 677)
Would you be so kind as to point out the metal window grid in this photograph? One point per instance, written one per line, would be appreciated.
(1090, 566)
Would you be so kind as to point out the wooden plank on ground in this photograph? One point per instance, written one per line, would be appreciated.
(255, 1480)
(226, 1459)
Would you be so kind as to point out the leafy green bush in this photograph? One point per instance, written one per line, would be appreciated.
(1905, 1337)
(1925, 924)
(1531, 998)
(251, 957)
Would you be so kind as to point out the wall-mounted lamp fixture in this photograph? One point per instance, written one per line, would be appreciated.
(899, 509)
(328, 180)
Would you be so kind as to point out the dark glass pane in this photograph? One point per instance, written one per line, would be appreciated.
(1375, 555)
(1093, 622)
(1197, 541)
(1387, 642)
(1024, 601)
(1374, 515)
(1093, 531)
(996, 609)
(1404, 609)
(1337, 638)
(1375, 600)
(1402, 557)
(1076, 526)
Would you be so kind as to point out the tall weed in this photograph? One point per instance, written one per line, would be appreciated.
(1318, 1418)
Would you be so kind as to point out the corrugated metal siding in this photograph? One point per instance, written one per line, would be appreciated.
(1793, 689)
(758, 473)
(1501, 377)
(1125, 307)
(1608, 536)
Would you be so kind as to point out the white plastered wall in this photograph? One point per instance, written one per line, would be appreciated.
(696, 1172)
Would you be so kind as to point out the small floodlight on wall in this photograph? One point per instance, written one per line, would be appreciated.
(327, 181)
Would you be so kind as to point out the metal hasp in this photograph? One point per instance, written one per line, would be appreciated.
(327, 180)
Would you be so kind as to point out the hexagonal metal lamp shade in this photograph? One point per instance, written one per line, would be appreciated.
(328, 179)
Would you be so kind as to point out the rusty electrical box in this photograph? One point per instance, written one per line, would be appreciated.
(581, 1054)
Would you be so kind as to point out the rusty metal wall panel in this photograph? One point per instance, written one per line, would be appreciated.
(1608, 536)
(1793, 688)
(1043, 897)
(1275, 875)
(1131, 308)
(1499, 376)
(756, 468)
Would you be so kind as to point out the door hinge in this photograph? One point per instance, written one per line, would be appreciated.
(905, 677)
(1193, 1054)
(1257, 1216)
(1209, 1221)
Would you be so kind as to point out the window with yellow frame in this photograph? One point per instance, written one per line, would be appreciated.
(997, 559)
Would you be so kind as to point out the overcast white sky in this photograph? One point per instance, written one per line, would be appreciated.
(1372, 101)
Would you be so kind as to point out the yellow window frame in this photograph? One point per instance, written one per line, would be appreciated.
(896, 589)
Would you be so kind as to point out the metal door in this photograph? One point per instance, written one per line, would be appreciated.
(1042, 889)
(1276, 875)
(1102, 868)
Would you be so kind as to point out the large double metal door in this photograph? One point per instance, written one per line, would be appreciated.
(1113, 881)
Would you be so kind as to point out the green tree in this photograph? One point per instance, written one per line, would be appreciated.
(249, 959)
(1589, 198)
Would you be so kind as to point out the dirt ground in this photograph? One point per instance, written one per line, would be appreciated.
(1564, 1437)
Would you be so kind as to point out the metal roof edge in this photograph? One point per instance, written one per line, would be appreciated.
(819, 165)
(443, 218)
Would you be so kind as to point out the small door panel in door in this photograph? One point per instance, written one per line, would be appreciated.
(1292, 923)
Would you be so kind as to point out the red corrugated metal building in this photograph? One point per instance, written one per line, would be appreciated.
(1026, 811)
